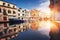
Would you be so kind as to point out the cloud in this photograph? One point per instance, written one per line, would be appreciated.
(44, 6)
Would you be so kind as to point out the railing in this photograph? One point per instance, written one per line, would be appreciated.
(4, 21)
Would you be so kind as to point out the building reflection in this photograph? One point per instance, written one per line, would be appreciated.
(12, 20)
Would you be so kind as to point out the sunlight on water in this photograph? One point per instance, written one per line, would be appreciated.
(45, 26)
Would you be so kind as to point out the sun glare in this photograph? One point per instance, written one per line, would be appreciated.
(46, 24)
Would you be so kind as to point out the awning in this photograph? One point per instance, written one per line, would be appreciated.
(15, 21)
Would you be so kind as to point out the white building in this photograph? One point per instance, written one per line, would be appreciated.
(10, 9)
(24, 14)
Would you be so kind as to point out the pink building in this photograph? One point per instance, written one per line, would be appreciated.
(3, 20)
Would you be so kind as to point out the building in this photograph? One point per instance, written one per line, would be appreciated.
(55, 9)
(55, 17)
(19, 10)
(34, 19)
(3, 16)
(10, 13)
(24, 14)
(7, 11)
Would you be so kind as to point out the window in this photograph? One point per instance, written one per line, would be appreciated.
(13, 6)
(18, 17)
(4, 18)
(5, 31)
(14, 12)
(9, 11)
(14, 16)
(0, 10)
(1, 33)
(22, 18)
(22, 11)
(15, 30)
(22, 14)
(4, 12)
(9, 5)
(5, 24)
(18, 14)
(24, 29)
(4, 4)
(52, 2)
(10, 30)
(18, 10)
(19, 26)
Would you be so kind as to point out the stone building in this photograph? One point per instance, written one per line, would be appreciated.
(24, 14)
(8, 11)
(10, 14)
(55, 17)
(55, 9)
(34, 19)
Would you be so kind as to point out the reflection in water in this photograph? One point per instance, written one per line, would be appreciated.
(44, 27)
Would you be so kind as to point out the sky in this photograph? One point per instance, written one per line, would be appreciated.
(29, 4)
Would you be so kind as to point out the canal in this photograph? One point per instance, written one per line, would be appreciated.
(41, 34)
(31, 35)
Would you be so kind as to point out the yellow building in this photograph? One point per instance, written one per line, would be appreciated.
(34, 19)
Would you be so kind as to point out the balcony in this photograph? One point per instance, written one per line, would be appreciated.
(4, 21)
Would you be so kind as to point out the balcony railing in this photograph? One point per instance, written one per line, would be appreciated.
(4, 21)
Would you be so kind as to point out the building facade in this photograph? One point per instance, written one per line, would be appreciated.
(9, 11)
(55, 9)
(4, 17)
(34, 19)
(24, 14)
(55, 17)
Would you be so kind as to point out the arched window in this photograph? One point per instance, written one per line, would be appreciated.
(9, 11)
(9, 5)
(14, 12)
(0, 10)
(4, 12)
(3, 4)
(19, 10)
(15, 30)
